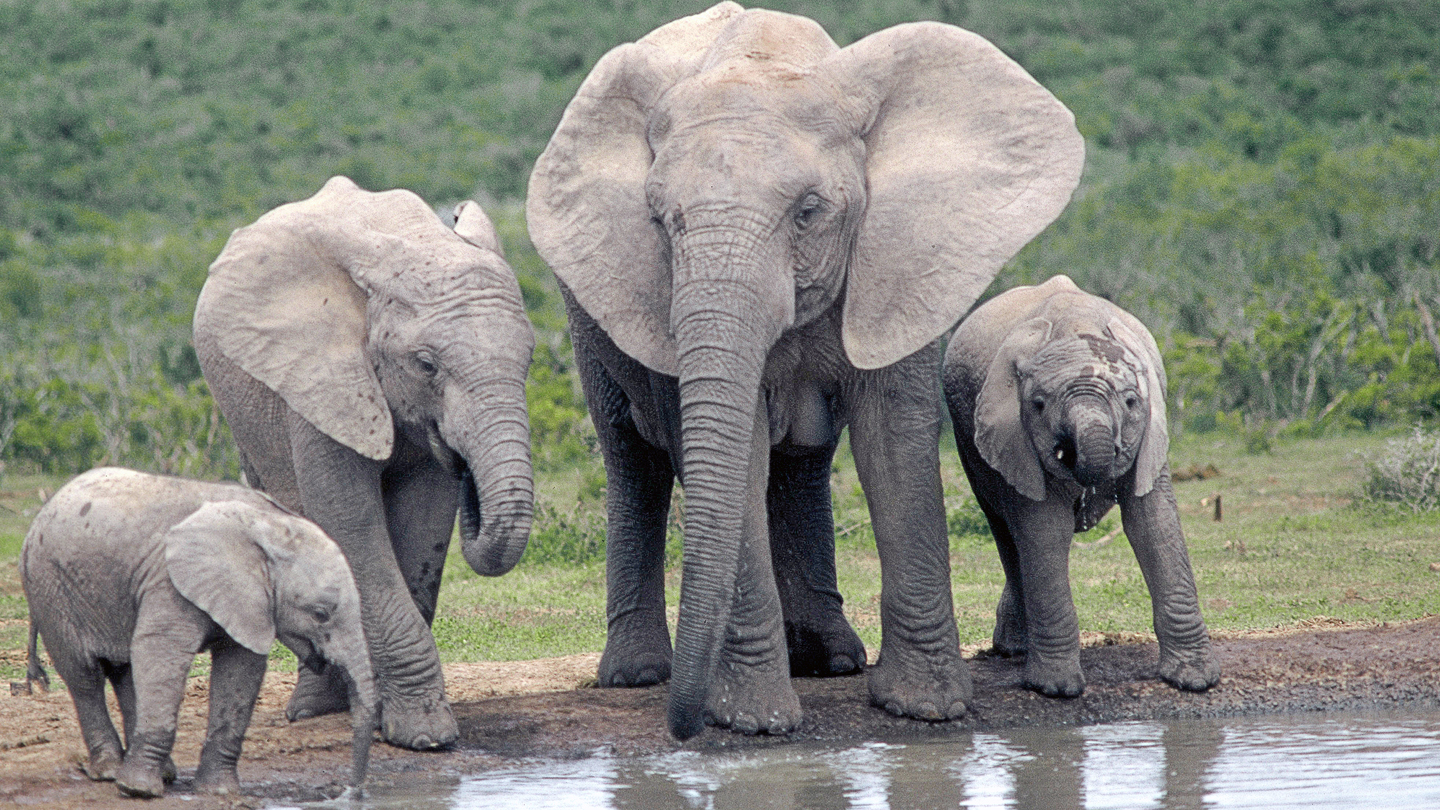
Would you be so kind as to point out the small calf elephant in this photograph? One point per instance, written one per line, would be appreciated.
(1058, 402)
(129, 575)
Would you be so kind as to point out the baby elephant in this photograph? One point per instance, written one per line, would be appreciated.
(129, 575)
(1058, 401)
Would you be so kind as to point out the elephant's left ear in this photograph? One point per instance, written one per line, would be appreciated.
(1155, 447)
(215, 564)
(968, 158)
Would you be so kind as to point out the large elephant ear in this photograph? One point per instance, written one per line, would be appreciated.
(1150, 368)
(215, 563)
(586, 208)
(999, 431)
(286, 301)
(968, 158)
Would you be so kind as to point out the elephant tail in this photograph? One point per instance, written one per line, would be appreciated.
(34, 670)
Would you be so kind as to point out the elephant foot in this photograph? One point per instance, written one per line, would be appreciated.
(753, 699)
(1193, 671)
(168, 772)
(420, 725)
(637, 653)
(824, 650)
(926, 687)
(317, 694)
(219, 782)
(142, 781)
(102, 765)
(1054, 678)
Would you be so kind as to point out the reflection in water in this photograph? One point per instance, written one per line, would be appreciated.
(1349, 761)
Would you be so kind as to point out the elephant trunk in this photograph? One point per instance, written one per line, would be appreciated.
(364, 707)
(1092, 441)
(723, 335)
(497, 500)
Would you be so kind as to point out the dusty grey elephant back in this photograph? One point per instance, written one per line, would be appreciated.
(967, 159)
(1041, 318)
(287, 298)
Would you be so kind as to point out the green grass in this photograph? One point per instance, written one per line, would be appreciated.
(1290, 547)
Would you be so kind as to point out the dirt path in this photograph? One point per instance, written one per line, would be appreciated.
(540, 709)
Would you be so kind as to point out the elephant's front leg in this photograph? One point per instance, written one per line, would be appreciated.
(421, 499)
(751, 691)
(1042, 532)
(342, 493)
(1152, 524)
(895, 432)
(802, 548)
(165, 642)
(235, 677)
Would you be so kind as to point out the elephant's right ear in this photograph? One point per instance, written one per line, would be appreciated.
(586, 208)
(999, 431)
(215, 563)
(282, 302)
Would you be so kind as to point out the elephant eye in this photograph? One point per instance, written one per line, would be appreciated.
(1131, 402)
(1039, 405)
(426, 362)
(809, 210)
(320, 613)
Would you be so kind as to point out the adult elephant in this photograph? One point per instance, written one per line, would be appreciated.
(1058, 402)
(761, 237)
(371, 364)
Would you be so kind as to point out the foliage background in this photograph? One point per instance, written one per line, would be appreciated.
(1261, 188)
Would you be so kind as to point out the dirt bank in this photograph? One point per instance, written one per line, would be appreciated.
(542, 709)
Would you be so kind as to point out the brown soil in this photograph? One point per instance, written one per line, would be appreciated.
(543, 709)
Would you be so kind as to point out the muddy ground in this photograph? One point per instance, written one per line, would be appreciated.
(545, 709)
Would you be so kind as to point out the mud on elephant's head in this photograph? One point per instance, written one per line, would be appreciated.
(1076, 391)
(369, 317)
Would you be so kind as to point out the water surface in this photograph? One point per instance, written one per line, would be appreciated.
(1384, 760)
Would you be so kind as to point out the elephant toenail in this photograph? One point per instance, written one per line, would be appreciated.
(928, 711)
(747, 724)
(957, 709)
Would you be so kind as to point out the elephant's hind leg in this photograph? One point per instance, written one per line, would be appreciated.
(802, 549)
(86, 684)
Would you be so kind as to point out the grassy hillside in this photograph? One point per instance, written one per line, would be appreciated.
(1261, 187)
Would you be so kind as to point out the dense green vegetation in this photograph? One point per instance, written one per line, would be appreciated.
(1261, 188)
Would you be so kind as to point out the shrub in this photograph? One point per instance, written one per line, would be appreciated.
(1407, 472)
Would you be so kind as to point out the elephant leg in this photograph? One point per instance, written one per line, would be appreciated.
(1152, 524)
(751, 690)
(802, 547)
(160, 663)
(895, 434)
(122, 679)
(86, 684)
(235, 677)
(639, 478)
(342, 493)
(1042, 531)
(421, 500)
(1009, 637)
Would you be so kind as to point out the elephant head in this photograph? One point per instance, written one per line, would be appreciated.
(263, 575)
(368, 316)
(735, 175)
(1075, 392)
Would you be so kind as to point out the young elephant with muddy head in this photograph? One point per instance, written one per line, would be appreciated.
(128, 576)
(371, 364)
(761, 236)
(1058, 402)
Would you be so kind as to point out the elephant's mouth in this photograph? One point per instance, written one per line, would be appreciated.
(1065, 453)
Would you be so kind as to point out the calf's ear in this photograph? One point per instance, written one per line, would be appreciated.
(216, 564)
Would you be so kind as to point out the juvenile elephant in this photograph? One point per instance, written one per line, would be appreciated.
(760, 237)
(1058, 402)
(371, 364)
(128, 576)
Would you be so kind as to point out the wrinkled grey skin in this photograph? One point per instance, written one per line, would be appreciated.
(129, 575)
(371, 364)
(760, 237)
(1058, 402)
